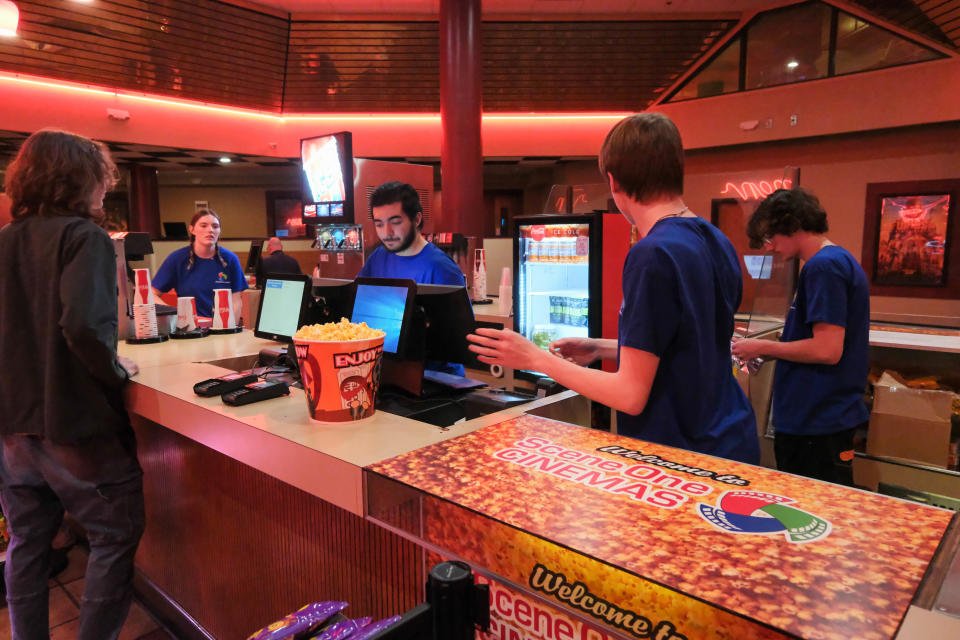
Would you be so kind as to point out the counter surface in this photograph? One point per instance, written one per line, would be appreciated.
(276, 436)
(915, 340)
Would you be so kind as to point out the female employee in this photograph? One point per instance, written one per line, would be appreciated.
(681, 285)
(202, 267)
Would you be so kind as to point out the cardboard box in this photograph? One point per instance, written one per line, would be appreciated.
(910, 423)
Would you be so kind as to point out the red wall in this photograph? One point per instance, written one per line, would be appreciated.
(902, 96)
(837, 170)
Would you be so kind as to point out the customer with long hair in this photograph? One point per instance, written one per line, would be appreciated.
(67, 444)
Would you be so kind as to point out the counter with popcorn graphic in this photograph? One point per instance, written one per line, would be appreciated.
(584, 534)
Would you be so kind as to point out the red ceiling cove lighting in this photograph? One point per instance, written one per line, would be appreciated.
(283, 117)
(9, 18)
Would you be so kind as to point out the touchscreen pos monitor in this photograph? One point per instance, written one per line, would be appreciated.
(284, 303)
(386, 304)
(449, 318)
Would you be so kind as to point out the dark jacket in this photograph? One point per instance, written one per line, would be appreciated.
(276, 262)
(60, 377)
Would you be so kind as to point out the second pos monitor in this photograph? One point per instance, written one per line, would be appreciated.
(424, 324)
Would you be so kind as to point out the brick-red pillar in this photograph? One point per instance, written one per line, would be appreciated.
(461, 105)
(144, 201)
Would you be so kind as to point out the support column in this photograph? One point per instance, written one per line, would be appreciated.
(144, 201)
(461, 105)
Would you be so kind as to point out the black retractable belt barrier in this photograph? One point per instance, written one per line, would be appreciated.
(455, 607)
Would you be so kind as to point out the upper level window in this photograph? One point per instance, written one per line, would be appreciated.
(801, 42)
(722, 75)
(862, 46)
(788, 46)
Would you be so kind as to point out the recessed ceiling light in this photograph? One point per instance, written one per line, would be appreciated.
(9, 18)
(793, 64)
(225, 159)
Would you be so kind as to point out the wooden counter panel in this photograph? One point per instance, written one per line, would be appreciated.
(238, 549)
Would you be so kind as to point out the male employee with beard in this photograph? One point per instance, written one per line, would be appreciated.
(398, 218)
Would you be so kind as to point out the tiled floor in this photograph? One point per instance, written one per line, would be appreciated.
(65, 591)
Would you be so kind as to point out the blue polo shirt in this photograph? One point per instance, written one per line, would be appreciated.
(199, 281)
(430, 266)
(818, 399)
(681, 286)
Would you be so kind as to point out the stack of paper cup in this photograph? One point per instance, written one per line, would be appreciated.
(506, 292)
(145, 321)
(144, 309)
(142, 289)
(186, 313)
(480, 275)
(223, 317)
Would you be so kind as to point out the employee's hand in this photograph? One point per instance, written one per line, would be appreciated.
(581, 351)
(748, 348)
(504, 347)
(129, 365)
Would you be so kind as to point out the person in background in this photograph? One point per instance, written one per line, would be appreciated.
(67, 443)
(682, 283)
(404, 253)
(203, 266)
(275, 261)
(820, 380)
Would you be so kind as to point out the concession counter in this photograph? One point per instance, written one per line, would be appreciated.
(606, 536)
(254, 511)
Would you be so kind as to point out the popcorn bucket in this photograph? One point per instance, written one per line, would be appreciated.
(340, 378)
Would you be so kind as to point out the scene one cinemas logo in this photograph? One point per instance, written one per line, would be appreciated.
(576, 595)
(357, 358)
(644, 483)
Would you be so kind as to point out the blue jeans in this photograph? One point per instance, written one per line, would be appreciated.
(99, 482)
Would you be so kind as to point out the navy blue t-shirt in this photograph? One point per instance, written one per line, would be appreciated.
(430, 266)
(199, 281)
(818, 399)
(681, 286)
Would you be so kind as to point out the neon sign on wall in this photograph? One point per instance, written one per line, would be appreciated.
(750, 190)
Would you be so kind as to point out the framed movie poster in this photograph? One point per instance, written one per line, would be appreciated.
(909, 248)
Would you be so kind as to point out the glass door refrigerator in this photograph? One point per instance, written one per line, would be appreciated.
(557, 266)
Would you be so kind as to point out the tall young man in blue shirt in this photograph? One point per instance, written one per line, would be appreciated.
(682, 284)
(822, 374)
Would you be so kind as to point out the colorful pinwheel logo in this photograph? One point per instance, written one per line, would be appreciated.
(762, 513)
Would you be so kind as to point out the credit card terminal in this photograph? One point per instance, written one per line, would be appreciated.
(223, 384)
(255, 392)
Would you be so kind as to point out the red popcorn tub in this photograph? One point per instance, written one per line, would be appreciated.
(340, 369)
